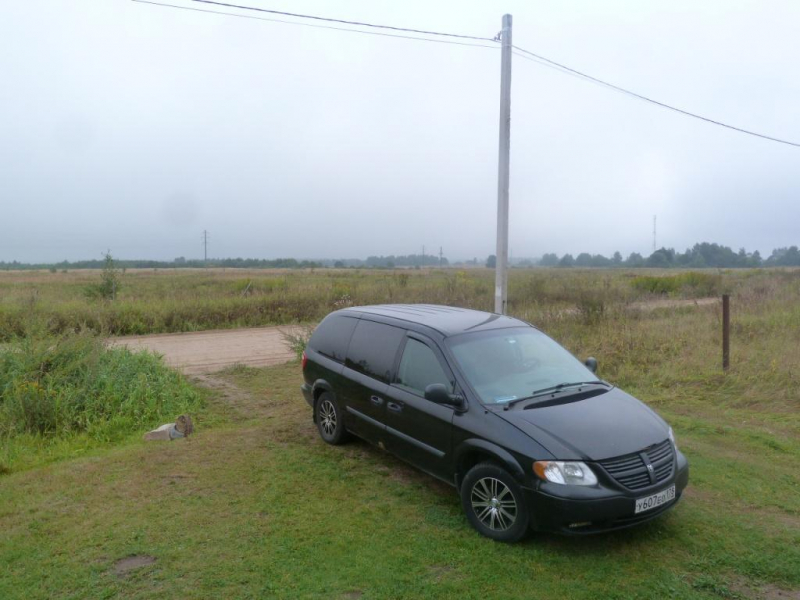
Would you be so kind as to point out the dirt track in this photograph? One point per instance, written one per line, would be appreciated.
(209, 351)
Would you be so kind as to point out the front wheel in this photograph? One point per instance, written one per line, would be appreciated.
(329, 420)
(494, 504)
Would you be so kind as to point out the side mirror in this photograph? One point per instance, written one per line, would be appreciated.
(591, 364)
(438, 394)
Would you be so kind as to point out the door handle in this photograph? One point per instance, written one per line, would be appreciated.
(394, 406)
(376, 400)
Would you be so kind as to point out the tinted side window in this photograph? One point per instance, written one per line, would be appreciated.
(332, 336)
(373, 349)
(419, 368)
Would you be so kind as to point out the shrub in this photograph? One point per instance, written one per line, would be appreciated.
(655, 285)
(298, 341)
(691, 283)
(591, 307)
(109, 284)
(57, 386)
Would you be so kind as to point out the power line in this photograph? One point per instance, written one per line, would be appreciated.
(542, 63)
(393, 35)
(518, 51)
(344, 22)
(318, 18)
(563, 68)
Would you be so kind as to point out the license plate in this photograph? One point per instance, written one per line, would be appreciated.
(656, 500)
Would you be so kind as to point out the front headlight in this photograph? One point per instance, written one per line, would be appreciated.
(564, 472)
(672, 438)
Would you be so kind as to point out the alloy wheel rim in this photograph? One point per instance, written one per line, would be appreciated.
(327, 417)
(494, 504)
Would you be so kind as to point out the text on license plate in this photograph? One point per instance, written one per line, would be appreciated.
(656, 500)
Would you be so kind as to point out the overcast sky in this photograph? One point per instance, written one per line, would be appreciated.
(134, 127)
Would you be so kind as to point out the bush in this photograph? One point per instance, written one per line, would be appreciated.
(655, 285)
(109, 284)
(298, 341)
(58, 386)
(691, 283)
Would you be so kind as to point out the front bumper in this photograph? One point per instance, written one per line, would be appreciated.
(574, 510)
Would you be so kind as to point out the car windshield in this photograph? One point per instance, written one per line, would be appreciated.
(506, 364)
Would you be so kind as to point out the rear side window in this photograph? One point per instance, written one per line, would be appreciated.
(419, 368)
(332, 336)
(373, 349)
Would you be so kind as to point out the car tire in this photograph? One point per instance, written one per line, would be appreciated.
(494, 503)
(328, 417)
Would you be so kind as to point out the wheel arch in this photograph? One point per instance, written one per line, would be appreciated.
(474, 451)
(320, 387)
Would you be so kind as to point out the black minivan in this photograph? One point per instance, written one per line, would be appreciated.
(527, 434)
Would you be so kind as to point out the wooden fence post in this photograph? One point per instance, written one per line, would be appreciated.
(726, 332)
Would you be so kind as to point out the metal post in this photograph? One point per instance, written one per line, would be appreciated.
(726, 331)
(503, 174)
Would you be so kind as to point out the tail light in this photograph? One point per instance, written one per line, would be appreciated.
(304, 361)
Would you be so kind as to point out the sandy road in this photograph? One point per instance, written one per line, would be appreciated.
(209, 351)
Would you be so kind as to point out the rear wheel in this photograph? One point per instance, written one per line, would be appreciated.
(494, 504)
(329, 420)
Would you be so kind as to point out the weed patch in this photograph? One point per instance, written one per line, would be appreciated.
(693, 284)
(72, 386)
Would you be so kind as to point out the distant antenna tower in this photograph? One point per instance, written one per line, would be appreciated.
(205, 245)
(654, 233)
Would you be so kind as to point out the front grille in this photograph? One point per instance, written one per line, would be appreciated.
(631, 470)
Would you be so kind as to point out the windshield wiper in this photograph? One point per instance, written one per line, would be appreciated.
(566, 385)
(553, 388)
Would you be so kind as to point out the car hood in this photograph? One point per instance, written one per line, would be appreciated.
(595, 428)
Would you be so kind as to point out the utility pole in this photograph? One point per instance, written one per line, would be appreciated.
(205, 246)
(503, 172)
(654, 233)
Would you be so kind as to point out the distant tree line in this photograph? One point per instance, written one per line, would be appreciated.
(178, 263)
(697, 257)
(374, 262)
(389, 262)
(410, 260)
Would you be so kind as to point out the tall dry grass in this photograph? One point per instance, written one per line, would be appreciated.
(184, 300)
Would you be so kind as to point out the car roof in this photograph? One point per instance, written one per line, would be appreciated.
(447, 320)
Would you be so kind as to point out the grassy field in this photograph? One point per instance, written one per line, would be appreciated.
(256, 506)
(161, 301)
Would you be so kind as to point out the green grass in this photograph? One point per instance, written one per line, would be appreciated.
(262, 508)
